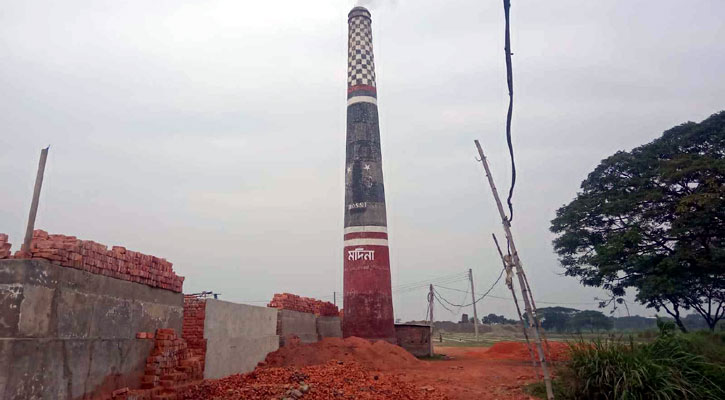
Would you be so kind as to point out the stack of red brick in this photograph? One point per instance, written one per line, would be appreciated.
(193, 328)
(169, 369)
(287, 301)
(119, 263)
(4, 246)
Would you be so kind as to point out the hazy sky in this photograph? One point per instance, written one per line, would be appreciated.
(212, 133)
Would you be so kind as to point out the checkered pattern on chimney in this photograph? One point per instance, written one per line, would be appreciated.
(360, 63)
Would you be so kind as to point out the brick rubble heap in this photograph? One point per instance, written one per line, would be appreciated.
(288, 301)
(193, 328)
(119, 263)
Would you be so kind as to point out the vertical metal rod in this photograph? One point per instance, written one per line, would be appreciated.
(36, 199)
(519, 272)
(518, 309)
(473, 299)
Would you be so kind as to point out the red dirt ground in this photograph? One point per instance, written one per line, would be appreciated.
(356, 369)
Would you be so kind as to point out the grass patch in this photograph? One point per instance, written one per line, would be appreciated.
(672, 366)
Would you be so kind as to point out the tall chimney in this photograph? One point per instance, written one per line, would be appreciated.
(368, 301)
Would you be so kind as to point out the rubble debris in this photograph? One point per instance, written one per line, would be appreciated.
(345, 380)
(379, 355)
(119, 263)
(288, 301)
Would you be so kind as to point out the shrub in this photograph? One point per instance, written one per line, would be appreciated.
(674, 366)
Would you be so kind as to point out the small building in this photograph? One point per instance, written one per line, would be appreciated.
(415, 338)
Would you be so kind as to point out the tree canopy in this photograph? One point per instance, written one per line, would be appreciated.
(653, 219)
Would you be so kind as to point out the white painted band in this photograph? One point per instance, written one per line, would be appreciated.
(368, 228)
(362, 99)
(366, 242)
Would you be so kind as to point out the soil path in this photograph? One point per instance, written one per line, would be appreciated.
(470, 374)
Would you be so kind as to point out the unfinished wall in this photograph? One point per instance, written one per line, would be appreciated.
(329, 327)
(238, 337)
(414, 338)
(65, 333)
(289, 301)
(193, 327)
(119, 263)
(296, 324)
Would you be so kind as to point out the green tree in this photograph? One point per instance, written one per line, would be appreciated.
(591, 320)
(653, 219)
(497, 319)
(555, 318)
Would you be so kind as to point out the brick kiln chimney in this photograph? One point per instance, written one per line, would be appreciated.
(367, 296)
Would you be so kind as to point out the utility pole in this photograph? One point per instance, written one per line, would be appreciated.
(334, 298)
(473, 299)
(516, 262)
(431, 296)
(25, 248)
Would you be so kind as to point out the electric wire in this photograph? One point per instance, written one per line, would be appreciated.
(482, 296)
(510, 82)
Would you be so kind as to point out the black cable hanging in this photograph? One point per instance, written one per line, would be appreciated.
(510, 82)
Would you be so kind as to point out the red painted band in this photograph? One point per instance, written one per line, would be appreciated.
(366, 235)
(362, 87)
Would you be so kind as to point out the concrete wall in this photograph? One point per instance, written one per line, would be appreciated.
(415, 339)
(329, 327)
(238, 337)
(66, 333)
(294, 323)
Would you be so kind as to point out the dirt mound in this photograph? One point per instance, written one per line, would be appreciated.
(379, 355)
(519, 351)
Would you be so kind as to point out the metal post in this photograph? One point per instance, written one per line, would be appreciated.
(520, 273)
(25, 248)
(473, 299)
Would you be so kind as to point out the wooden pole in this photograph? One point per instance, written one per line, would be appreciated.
(473, 299)
(36, 199)
(516, 302)
(520, 274)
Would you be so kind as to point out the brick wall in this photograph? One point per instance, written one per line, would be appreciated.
(288, 301)
(193, 326)
(119, 263)
(170, 368)
(4, 246)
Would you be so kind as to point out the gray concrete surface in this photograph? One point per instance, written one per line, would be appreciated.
(238, 337)
(42, 300)
(66, 333)
(299, 324)
(329, 327)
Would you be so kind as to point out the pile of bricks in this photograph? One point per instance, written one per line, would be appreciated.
(169, 369)
(193, 327)
(288, 301)
(119, 263)
(4, 246)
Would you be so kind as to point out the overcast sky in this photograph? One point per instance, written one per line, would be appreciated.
(212, 133)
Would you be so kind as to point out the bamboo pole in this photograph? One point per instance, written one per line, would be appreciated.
(520, 274)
